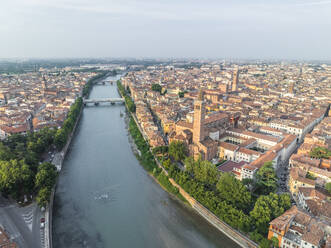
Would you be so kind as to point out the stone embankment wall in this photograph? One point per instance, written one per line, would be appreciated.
(233, 234)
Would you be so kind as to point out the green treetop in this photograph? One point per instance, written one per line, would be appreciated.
(233, 191)
(177, 150)
(266, 179)
(267, 208)
(320, 152)
(157, 87)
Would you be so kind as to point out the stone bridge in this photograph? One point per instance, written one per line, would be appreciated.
(97, 101)
(103, 82)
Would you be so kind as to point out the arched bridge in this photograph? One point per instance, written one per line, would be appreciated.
(96, 101)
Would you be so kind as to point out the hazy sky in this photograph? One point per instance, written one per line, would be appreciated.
(294, 29)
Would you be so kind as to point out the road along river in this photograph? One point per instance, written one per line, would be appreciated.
(104, 198)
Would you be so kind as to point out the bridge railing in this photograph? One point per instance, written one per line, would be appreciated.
(100, 100)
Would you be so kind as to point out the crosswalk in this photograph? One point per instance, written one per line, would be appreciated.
(28, 218)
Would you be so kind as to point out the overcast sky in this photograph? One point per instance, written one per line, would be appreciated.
(286, 29)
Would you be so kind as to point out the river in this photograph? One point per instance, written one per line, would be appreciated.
(104, 198)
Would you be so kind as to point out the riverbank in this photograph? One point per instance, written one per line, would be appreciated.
(165, 186)
(58, 162)
(144, 153)
(60, 156)
(230, 232)
(148, 161)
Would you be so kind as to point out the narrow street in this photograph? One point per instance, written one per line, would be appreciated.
(22, 224)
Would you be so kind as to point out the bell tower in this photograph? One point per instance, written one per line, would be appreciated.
(235, 79)
(199, 117)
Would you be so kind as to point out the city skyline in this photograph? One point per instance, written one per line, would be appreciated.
(150, 29)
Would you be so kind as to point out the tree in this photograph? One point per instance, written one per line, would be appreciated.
(130, 104)
(166, 164)
(160, 150)
(275, 242)
(255, 236)
(26, 178)
(60, 138)
(9, 175)
(233, 191)
(121, 88)
(157, 87)
(15, 177)
(267, 208)
(43, 196)
(320, 152)
(20, 150)
(14, 139)
(266, 179)
(46, 175)
(328, 187)
(189, 165)
(177, 150)
(5, 153)
(205, 172)
(181, 94)
(265, 243)
(310, 176)
(44, 181)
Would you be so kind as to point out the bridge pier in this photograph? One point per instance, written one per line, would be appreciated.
(96, 103)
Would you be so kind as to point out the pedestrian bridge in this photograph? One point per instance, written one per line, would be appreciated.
(97, 101)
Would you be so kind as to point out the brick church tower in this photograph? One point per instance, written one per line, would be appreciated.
(199, 117)
(235, 79)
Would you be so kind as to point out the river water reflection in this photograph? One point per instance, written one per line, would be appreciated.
(104, 198)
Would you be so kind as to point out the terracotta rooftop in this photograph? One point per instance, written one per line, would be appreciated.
(228, 146)
(185, 124)
(305, 160)
(229, 165)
